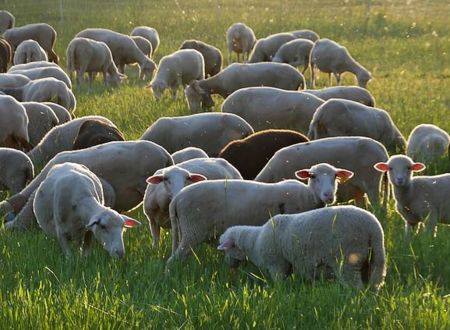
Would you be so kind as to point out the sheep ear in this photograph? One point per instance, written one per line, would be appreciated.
(95, 220)
(130, 222)
(381, 167)
(197, 178)
(417, 167)
(303, 174)
(155, 179)
(226, 245)
(343, 175)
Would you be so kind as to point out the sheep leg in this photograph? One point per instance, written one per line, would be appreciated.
(174, 92)
(155, 230)
(121, 67)
(338, 78)
(431, 222)
(313, 75)
(105, 75)
(238, 57)
(64, 243)
(351, 275)
(329, 79)
(409, 229)
(279, 269)
(87, 243)
(52, 57)
(229, 57)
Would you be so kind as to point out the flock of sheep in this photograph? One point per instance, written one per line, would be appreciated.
(229, 174)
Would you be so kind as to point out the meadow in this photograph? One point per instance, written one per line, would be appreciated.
(405, 44)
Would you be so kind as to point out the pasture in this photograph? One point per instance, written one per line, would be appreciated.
(405, 44)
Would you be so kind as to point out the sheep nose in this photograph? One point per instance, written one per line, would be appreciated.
(328, 196)
(399, 181)
(119, 253)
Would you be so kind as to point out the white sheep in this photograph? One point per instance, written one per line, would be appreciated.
(46, 72)
(29, 51)
(177, 69)
(330, 57)
(187, 154)
(12, 80)
(13, 124)
(207, 131)
(166, 183)
(267, 107)
(339, 117)
(295, 52)
(343, 242)
(427, 143)
(305, 34)
(206, 209)
(32, 65)
(352, 93)
(211, 55)
(7, 21)
(16, 170)
(69, 204)
(148, 33)
(41, 120)
(240, 39)
(266, 48)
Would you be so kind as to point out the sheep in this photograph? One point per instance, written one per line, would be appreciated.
(177, 69)
(330, 57)
(305, 34)
(266, 48)
(187, 154)
(352, 93)
(5, 55)
(122, 167)
(46, 72)
(7, 21)
(339, 117)
(16, 170)
(43, 33)
(12, 80)
(148, 33)
(267, 107)
(295, 52)
(166, 183)
(417, 199)
(251, 154)
(123, 49)
(13, 124)
(357, 154)
(343, 242)
(41, 120)
(427, 143)
(32, 65)
(237, 76)
(69, 204)
(143, 44)
(62, 113)
(203, 210)
(207, 131)
(240, 39)
(29, 51)
(211, 55)
(91, 56)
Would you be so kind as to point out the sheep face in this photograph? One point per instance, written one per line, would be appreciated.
(400, 168)
(114, 80)
(158, 87)
(193, 99)
(363, 79)
(233, 254)
(147, 69)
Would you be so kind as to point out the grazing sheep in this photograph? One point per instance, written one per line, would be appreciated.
(148, 33)
(187, 154)
(62, 113)
(306, 34)
(29, 51)
(211, 55)
(357, 154)
(7, 21)
(13, 124)
(122, 167)
(12, 80)
(237, 76)
(69, 204)
(352, 93)
(267, 107)
(207, 131)
(177, 69)
(91, 56)
(5, 55)
(330, 57)
(417, 199)
(41, 120)
(143, 44)
(32, 65)
(339, 117)
(43, 33)
(46, 72)
(266, 48)
(16, 170)
(343, 242)
(166, 183)
(251, 154)
(123, 49)
(295, 52)
(240, 39)
(206, 209)
(427, 143)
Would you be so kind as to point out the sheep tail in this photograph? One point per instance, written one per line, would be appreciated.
(377, 261)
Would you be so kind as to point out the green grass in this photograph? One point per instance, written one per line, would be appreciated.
(405, 44)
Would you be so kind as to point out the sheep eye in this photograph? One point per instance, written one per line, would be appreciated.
(103, 227)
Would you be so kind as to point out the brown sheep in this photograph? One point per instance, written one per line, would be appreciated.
(5, 55)
(95, 132)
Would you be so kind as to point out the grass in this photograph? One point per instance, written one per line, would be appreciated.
(406, 46)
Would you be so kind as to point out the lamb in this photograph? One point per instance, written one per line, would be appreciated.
(122, 167)
(91, 56)
(43, 33)
(305, 34)
(330, 57)
(267, 107)
(5, 55)
(343, 242)
(237, 76)
(62, 113)
(211, 55)
(148, 33)
(266, 48)
(46, 72)
(14, 124)
(203, 210)
(295, 52)
(32, 65)
(187, 154)
(29, 51)
(123, 49)
(41, 120)
(177, 69)
(357, 154)
(207, 131)
(417, 199)
(240, 39)
(12, 80)
(338, 117)
(143, 44)
(7, 21)
(69, 204)
(352, 93)
(251, 154)
(166, 183)
(427, 143)
(17, 170)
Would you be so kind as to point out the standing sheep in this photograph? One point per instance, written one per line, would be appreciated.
(7, 21)
(16, 170)
(148, 33)
(352, 93)
(344, 242)
(211, 55)
(41, 120)
(13, 124)
(29, 51)
(266, 48)
(187, 154)
(5, 55)
(427, 143)
(240, 39)
(295, 52)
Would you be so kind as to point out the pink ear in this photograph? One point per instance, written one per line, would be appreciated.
(228, 244)
(344, 175)
(417, 167)
(155, 179)
(131, 223)
(303, 174)
(381, 167)
(197, 178)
